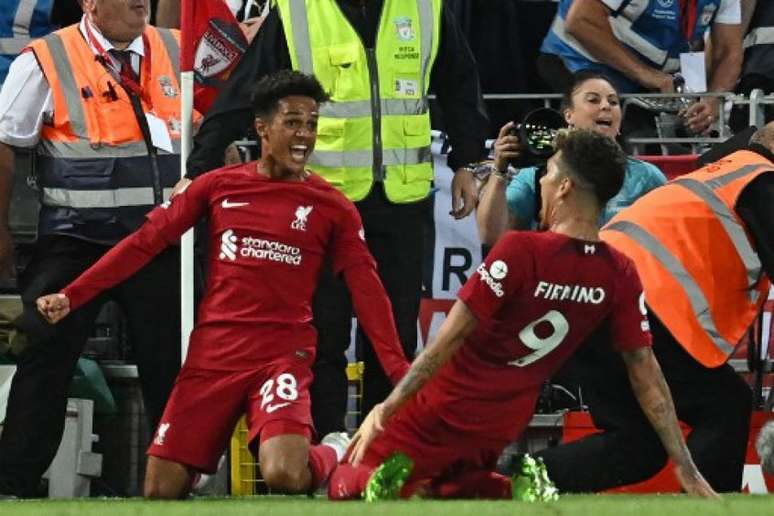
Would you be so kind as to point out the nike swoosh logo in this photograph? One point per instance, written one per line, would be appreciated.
(227, 204)
(271, 408)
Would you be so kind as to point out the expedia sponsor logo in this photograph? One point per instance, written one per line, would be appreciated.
(490, 282)
(576, 293)
(498, 270)
(257, 248)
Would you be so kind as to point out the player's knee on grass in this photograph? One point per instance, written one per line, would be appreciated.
(284, 461)
(286, 478)
(166, 480)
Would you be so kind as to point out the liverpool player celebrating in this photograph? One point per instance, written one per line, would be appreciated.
(525, 310)
(271, 223)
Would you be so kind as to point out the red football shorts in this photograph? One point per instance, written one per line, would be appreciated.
(437, 448)
(206, 404)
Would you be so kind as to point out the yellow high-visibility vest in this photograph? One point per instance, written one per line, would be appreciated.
(377, 125)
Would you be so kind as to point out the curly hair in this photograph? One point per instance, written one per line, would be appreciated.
(764, 136)
(592, 160)
(284, 83)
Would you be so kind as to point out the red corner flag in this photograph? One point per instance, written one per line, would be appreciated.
(212, 44)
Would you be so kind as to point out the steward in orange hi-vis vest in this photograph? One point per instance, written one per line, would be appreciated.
(94, 170)
(700, 273)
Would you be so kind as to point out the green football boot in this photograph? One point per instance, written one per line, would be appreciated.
(531, 483)
(388, 479)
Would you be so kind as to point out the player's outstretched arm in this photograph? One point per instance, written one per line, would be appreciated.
(121, 261)
(54, 307)
(163, 227)
(459, 324)
(653, 395)
(374, 313)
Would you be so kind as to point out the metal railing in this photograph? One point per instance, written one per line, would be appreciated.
(756, 103)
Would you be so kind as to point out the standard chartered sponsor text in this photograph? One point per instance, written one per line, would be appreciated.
(262, 249)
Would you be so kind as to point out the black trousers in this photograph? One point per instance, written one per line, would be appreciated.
(36, 407)
(394, 234)
(715, 403)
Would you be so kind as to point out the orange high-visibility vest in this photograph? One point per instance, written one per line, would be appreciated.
(93, 167)
(700, 273)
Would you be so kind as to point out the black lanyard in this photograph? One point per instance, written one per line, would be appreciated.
(134, 91)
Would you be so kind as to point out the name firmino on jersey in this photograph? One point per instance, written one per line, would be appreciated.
(577, 293)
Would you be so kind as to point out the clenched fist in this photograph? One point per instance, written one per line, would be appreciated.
(53, 307)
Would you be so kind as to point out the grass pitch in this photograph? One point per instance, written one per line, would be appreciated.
(578, 505)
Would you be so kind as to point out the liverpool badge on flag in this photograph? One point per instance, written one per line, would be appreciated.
(218, 50)
(219, 44)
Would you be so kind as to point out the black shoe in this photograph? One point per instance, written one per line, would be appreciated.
(6, 491)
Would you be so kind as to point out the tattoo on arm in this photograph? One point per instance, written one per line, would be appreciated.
(654, 397)
(422, 370)
(451, 335)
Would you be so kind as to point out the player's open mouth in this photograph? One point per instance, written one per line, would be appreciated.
(299, 152)
(605, 122)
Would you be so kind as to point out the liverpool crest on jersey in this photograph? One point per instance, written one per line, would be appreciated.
(403, 29)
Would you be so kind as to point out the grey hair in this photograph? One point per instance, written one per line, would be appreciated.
(764, 445)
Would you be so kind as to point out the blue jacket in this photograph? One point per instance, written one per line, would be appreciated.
(30, 18)
(641, 178)
(651, 29)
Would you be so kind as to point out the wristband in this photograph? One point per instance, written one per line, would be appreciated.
(500, 174)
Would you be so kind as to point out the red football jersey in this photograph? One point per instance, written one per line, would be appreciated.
(536, 297)
(267, 241)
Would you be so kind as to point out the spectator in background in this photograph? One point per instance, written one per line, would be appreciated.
(758, 67)
(82, 97)
(758, 25)
(20, 22)
(373, 145)
(591, 103)
(638, 45)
